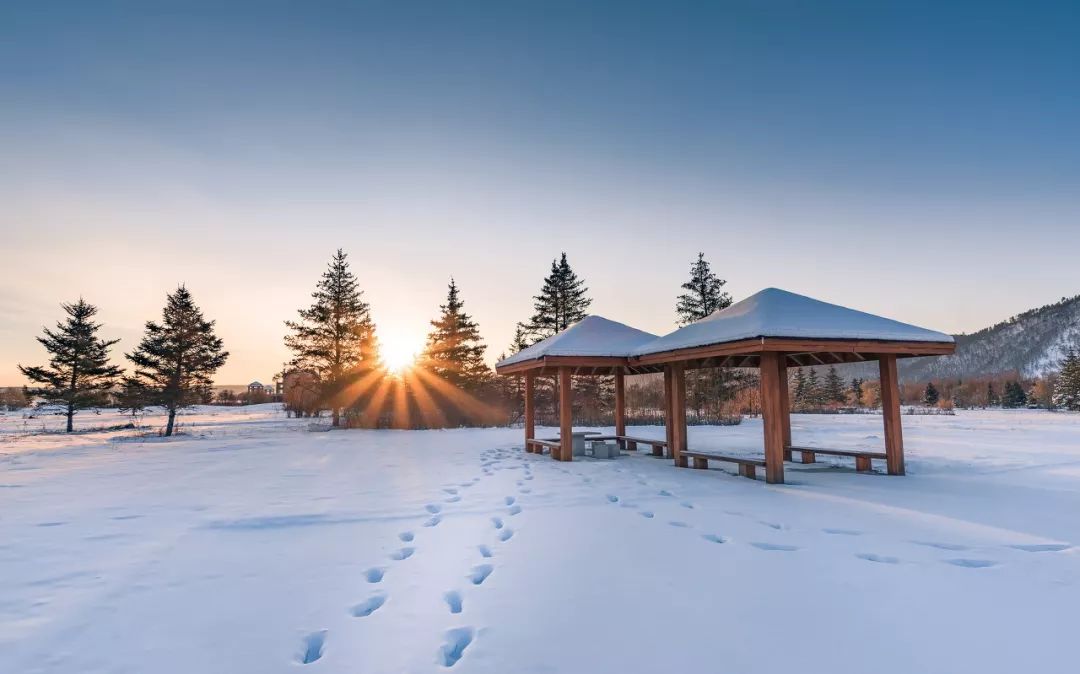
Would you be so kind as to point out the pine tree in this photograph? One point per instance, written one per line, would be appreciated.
(78, 374)
(800, 389)
(1014, 395)
(176, 360)
(1067, 389)
(813, 393)
(562, 301)
(455, 350)
(991, 396)
(335, 336)
(931, 395)
(834, 387)
(857, 391)
(704, 293)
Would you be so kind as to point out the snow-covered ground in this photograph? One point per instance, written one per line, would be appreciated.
(252, 544)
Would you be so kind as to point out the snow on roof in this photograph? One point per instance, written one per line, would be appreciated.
(591, 336)
(778, 313)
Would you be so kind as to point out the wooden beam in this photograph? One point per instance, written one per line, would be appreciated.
(890, 412)
(678, 413)
(530, 409)
(772, 417)
(669, 424)
(620, 405)
(566, 414)
(785, 398)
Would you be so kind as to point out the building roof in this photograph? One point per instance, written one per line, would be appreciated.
(778, 313)
(591, 336)
(255, 383)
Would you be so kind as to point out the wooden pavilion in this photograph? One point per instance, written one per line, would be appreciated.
(770, 330)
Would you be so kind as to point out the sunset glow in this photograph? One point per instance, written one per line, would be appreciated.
(399, 352)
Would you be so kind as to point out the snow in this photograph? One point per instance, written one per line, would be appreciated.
(778, 313)
(591, 336)
(250, 545)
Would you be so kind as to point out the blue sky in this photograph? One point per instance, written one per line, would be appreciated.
(912, 159)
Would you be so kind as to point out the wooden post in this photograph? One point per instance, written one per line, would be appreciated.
(785, 404)
(620, 407)
(772, 417)
(678, 416)
(890, 412)
(566, 426)
(530, 409)
(669, 421)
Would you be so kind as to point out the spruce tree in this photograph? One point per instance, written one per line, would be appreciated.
(455, 350)
(834, 387)
(704, 293)
(813, 393)
(1067, 388)
(800, 389)
(931, 395)
(78, 374)
(857, 391)
(335, 336)
(563, 301)
(176, 360)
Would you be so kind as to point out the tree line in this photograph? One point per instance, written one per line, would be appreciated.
(336, 366)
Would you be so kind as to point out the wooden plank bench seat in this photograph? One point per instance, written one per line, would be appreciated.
(631, 443)
(809, 455)
(537, 446)
(747, 467)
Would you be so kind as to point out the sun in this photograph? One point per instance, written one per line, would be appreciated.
(399, 353)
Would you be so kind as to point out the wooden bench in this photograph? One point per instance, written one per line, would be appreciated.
(631, 443)
(809, 455)
(536, 446)
(747, 467)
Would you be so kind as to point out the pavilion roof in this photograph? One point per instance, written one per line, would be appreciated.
(593, 336)
(776, 313)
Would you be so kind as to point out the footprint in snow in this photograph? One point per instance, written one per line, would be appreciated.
(403, 553)
(843, 532)
(954, 547)
(880, 559)
(525, 490)
(432, 508)
(485, 551)
(612, 498)
(676, 523)
(453, 499)
(774, 525)
(714, 538)
(1045, 547)
(433, 521)
(775, 547)
(647, 514)
(450, 490)
(665, 492)
(497, 522)
(457, 640)
(453, 600)
(972, 563)
(509, 500)
(312, 647)
(369, 606)
(374, 574)
(406, 536)
(514, 509)
(688, 505)
(505, 534)
(480, 573)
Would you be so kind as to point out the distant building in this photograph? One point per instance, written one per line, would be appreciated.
(256, 387)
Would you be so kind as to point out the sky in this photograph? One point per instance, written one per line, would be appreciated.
(920, 160)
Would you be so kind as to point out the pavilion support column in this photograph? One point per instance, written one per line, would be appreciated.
(678, 413)
(669, 413)
(530, 410)
(566, 426)
(785, 403)
(620, 407)
(890, 412)
(772, 416)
